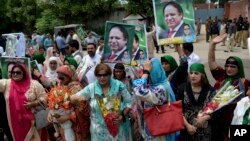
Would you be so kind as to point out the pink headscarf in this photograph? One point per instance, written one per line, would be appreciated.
(20, 116)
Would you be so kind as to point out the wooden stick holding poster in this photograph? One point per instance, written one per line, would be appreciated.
(118, 43)
(6, 62)
(174, 21)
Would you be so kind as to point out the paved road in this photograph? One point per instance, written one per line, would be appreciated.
(201, 48)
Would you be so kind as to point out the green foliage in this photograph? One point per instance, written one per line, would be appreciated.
(3, 18)
(140, 6)
(43, 15)
(24, 12)
(47, 22)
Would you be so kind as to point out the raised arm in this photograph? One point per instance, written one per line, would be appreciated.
(179, 50)
(211, 52)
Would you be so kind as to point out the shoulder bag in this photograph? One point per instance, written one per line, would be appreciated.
(164, 119)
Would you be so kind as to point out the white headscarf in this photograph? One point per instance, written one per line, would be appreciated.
(49, 53)
(51, 74)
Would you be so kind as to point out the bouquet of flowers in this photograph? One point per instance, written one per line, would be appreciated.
(110, 108)
(58, 102)
(223, 97)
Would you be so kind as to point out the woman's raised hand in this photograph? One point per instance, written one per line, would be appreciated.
(147, 65)
(219, 38)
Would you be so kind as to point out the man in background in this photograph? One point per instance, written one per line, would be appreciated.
(74, 51)
(88, 64)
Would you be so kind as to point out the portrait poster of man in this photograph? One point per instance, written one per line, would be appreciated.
(174, 20)
(118, 42)
(140, 51)
(8, 62)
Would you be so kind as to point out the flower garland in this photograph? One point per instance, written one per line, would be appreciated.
(110, 108)
(58, 98)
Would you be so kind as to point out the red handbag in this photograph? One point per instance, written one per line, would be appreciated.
(164, 119)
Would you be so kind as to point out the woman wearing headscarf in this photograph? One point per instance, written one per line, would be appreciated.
(22, 95)
(39, 57)
(67, 77)
(69, 60)
(195, 94)
(49, 79)
(233, 72)
(110, 103)
(153, 89)
(176, 75)
(119, 73)
(51, 52)
(51, 71)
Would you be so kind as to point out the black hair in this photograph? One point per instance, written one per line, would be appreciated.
(92, 44)
(121, 67)
(122, 29)
(88, 32)
(188, 46)
(174, 4)
(42, 47)
(101, 38)
(59, 33)
(74, 43)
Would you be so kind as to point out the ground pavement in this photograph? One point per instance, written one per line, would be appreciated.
(201, 48)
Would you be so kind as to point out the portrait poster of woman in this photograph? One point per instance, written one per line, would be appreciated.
(7, 62)
(174, 20)
(118, 39)
(139, 52)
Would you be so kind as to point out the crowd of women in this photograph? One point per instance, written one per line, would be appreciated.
(161, 81)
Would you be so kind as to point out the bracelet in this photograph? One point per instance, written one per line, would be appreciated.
(146, 72)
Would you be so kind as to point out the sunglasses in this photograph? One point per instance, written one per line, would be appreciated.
(102, 75)
(61, 78)
(54, 52)
(16, 72)
(231, 66)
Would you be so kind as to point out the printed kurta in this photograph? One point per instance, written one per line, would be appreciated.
(191, 108)
(98, 129)
(36, 91)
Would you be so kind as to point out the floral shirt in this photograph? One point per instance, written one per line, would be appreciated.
(98, 128)
(148, 96)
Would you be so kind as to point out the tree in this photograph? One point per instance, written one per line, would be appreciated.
(78, 10)
(3, 17)
(47, 22)
(140, 6)
(25, 15)
(22, 13)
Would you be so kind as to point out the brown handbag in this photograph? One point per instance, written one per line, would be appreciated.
(164, 119)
